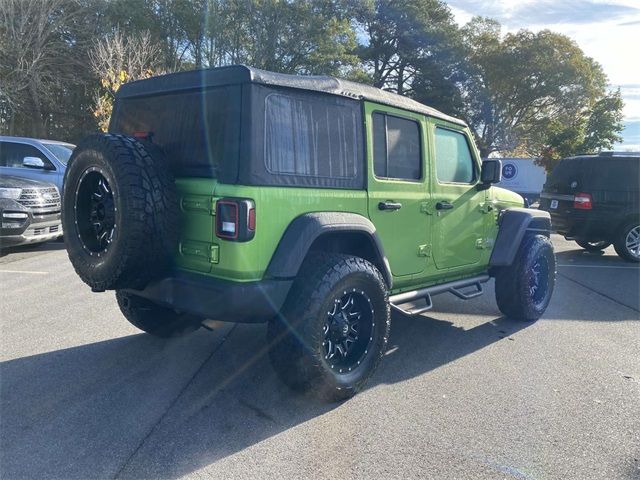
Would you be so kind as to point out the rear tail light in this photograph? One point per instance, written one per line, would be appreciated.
(582, 201)
(235, 219)
(140, 135)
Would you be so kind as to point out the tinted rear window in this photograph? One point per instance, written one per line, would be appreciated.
(595, 173)
(199, 131)
(565, 173)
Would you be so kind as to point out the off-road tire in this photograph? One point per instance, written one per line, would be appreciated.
(592, 246)
(154, 319)
(514, 283)
(297, 337)
(144, 196)
(620, 243)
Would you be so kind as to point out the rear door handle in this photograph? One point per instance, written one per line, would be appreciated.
(389, 206)
(444, 206)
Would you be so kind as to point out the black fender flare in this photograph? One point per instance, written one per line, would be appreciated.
(514, 224)
(305, 229)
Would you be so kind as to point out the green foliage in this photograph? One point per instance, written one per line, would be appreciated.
(413, 47)
(593, 130)
(523, 84)
(525, 93)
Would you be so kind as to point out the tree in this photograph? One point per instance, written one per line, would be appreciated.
(297, 36)
(524, 84)
(413, 48)
(118, 59)
(43, 75)
(594, 130)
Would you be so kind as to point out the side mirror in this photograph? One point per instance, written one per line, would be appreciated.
(33, 162)
(491, 172)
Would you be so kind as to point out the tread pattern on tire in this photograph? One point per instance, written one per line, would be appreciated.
(148, 233)
(292, 332)
(511, 282)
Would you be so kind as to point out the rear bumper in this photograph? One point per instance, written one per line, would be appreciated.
(211, 298)
(589, 225)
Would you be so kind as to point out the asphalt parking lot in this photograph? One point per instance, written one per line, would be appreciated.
(462, 392)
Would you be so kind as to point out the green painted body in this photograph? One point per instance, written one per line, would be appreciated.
(424, 246)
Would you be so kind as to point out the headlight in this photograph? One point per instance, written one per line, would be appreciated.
(12, 193)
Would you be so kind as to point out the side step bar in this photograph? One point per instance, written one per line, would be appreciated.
(456, 288)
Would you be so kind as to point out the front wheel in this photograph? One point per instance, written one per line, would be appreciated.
(154, 319)
(593, 246)
(333, 328)
(627, 244)
(524, 288)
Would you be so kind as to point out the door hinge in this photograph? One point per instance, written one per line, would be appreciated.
(487, 207)
(214, 252)
(200, 250)
(425, 207)
(484, 243)
(424, 250)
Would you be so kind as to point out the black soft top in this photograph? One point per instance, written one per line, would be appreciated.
(239, 74)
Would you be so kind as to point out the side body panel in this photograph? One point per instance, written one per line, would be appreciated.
(459, 232)
(404, 232)
(276, 207)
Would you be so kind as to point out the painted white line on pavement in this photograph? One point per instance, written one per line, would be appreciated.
(24, 271)
(598, 266)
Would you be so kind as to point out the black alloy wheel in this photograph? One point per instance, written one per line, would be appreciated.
(95, 212)
(348, 331)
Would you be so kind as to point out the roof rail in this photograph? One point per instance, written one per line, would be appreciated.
(618, 154)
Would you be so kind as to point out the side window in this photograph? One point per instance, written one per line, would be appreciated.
(13, 154)
(454, 163)
(311, 137)
(396, 147)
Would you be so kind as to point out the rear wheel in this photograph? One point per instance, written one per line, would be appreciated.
(154, 319)
(593, 246)
(627, 244)
(333, 328)
(524, 289)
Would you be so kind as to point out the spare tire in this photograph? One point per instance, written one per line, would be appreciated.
(119, 212)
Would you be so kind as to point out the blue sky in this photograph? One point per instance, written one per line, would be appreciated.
(606, 30)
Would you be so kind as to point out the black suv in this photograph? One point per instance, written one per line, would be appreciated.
(595, 200)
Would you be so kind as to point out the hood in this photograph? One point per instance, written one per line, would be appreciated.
(502, 195)
(9, 181)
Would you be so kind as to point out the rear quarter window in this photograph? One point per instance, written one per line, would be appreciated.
(197, 130)
(309, 137)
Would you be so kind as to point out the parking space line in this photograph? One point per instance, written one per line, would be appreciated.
(24, 271)
(599, 293)
(598, 266)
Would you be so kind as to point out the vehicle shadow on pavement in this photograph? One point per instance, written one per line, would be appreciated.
(25, 250)
(139, 407)
(602, 257)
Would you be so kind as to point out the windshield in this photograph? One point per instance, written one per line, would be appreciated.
(62, 152)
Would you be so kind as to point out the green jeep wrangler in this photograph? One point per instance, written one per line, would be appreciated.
(316, 204)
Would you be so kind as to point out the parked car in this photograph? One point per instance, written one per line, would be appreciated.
(29, 212)
(595, 200)
(312, 203)
(42, 160)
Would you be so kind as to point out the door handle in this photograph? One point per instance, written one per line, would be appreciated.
(444, 206)
(389, 206)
